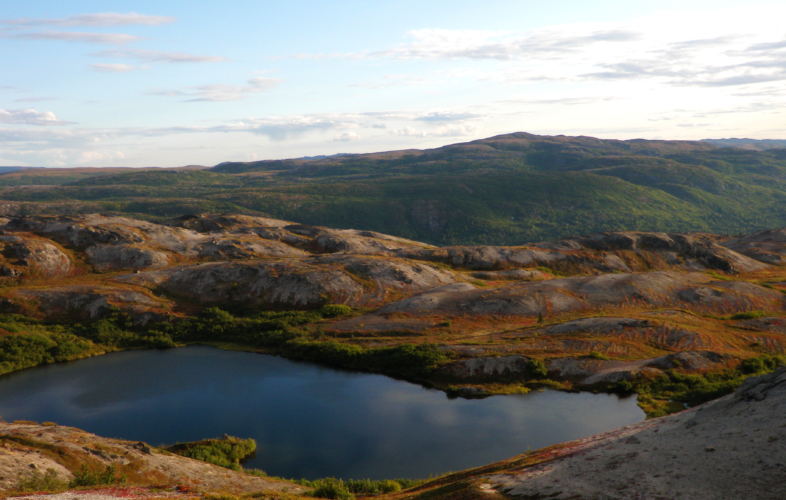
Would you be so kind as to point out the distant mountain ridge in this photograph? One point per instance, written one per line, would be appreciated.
(509, 189)
(751, 144)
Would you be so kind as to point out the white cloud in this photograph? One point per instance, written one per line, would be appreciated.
(409, 132)
(441, 44)
(98, 19)
(74, 36)
(220, 92)
(115, 68)
(461, 130)
(439, 116)
(158, 56)
(29, 117)
(36, 99)
(346, 137)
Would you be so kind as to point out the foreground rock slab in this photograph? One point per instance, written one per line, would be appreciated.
(734, 447)
(29, 448)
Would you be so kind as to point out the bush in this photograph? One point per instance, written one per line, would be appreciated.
(87, 477)
(537, 369)
(48, 481)
(227, 452)
(333, 310)
(332, 488)
(748, 315)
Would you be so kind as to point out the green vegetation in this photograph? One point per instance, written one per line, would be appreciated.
(87, 477)
(49, 481)
(281, 332)
(339, 489)
(505, 190)
(226, 452)
(693, 389)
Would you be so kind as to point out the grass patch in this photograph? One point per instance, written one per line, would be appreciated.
(750, 315)
(226, 452)
(656, 396)
(48, 481)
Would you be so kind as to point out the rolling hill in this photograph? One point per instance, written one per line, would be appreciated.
(508, 189)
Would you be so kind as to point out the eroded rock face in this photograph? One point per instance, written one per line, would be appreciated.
(122, 243)
(603, 252)
(512, 275)
(90, 302)
(766, 246)
(126, 256)
(295, 283)
(694, 291)
(222, 223)
(484, 368)
(25, 256)
(590, 371)
(659, 333)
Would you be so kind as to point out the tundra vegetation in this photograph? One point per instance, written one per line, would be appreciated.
(676, 317)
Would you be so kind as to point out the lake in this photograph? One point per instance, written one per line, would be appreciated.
(309, 421)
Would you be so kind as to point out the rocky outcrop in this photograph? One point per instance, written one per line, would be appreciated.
(87, 302)
(658, 333)
(122, 243)
(693, 291)
(485, 368)
(728, 448)
(33, 449)
(295, 283)
(767, 246)
(600, 253)
(31, 257)
(589, 371)
(223, 223)
(512, 275)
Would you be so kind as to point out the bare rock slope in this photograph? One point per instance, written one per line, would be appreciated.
(729, 448)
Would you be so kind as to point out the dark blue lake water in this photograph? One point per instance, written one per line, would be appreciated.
(308, 421)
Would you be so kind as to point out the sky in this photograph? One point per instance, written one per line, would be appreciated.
(142, 83)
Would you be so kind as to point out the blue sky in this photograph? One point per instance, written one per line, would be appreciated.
(118, 83)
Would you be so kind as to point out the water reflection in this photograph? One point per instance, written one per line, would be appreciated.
(308, 421)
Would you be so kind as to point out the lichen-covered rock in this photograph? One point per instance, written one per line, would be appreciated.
(324, 240)
(694, 291)
(126, 256)
(122, 243)
(90, 302)
(26, 256)
(297, 283)
(223, 223)
(602, 252)
(766, 246)
(512, 275)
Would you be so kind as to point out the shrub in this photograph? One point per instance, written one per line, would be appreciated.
(48, 481)
(537, 369)
(227, 452)
(333, 310)
(597, 355)
(749, 315)
(332, 488)
(87, 477)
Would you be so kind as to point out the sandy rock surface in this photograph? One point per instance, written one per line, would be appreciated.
(729, 448)
(26, 449)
